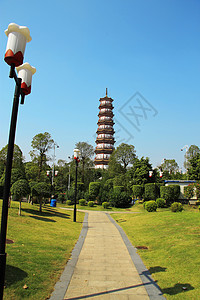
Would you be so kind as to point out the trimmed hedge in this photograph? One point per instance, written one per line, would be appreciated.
(138, 191)
(118, 188)
(176, 207)
(167, 193)
(151, 191)
(118, 199)
(105, 205)
(91, 203)
(82, 202)
(69, 202)
(160, 202)
(150, 205)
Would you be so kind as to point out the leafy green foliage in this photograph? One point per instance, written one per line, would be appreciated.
(176, 207)
(189, 191)
(82, 202)
(151, 206)
(124, 154)
(139, 172)
(105, 205)
(91, 203)
(118, 189)
(119, 199)
(160, 202)
(41, 190)
(138, 191)
(151, 191)
(194, 167)
(94, 189)
(20, 189)
(167, 193)
(176, 191)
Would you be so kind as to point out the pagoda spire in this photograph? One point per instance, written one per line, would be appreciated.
(106, 92)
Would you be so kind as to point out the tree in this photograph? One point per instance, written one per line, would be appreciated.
(41, 190)
(87, 152)
(170, 166)
(194, 167)
(18, 159)
(124, 154)
(20, 189)
(16, 174)
(191, 153)
(139, 172)
(41, 144)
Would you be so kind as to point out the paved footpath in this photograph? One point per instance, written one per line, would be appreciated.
(106, 266)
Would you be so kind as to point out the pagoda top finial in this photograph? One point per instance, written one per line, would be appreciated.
(106, 92)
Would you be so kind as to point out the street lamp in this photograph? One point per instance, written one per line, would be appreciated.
(77, 154)
(186, 158)
(69, 175)
(51, 175)
(18, 36)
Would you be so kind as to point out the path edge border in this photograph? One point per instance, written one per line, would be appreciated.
(153, 290)
(61, 286)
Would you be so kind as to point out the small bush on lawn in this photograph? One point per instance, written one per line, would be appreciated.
(160, 202)
(105, 205)
(69, 202)
(176, 206)
(82, 202)
(151, 206)
(198, 202)
(91, 203)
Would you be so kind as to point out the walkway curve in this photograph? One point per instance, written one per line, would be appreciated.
(105, 265)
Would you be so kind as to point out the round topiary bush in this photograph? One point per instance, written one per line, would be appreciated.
(176, 207)
(160, 202)
(82, 202)
(69, 202)
(151, 206)
(91, 203)
(105, 205)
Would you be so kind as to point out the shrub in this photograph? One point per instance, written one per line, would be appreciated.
(167, 193)
(138, 191)
(61, 197)
(118, 199)
(160, 202)
(108, 185)
(94, 189)
(105, 205)
(189, 191)
(91, 203)
(176, 191)
(199, 207)
(176, 207)
(82, 202)
(151, 191)
(151, 206)
(118, 188)
(198, 202)
(69, 202)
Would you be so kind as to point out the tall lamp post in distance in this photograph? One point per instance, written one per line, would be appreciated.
(76, 157)
(186, 157)
(69, 175)
(18, 36)
(51, 175)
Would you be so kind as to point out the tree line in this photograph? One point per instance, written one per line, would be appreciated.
(125, 170)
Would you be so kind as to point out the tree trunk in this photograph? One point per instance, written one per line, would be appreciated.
(20, 206)
(40, 204)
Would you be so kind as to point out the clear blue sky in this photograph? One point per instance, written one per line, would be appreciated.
(81, 47)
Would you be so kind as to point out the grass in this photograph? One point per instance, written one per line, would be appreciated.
(42, 245)
(93, 208)
(173, 241)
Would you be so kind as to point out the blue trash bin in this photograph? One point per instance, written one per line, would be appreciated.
(53, 203)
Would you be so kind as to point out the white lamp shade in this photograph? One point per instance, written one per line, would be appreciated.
(18, 36)
(161, 174)
(150, 173)
(76, 153)
(56, 173)
(48, 172)
(25, 72)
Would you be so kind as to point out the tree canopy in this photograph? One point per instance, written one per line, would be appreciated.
(124, 154)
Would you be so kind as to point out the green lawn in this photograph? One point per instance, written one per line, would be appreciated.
(42, 245)
(173, 241)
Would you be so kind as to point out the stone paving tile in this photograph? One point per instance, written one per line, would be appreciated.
(105, 269)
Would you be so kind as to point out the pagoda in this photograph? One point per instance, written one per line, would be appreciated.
(105, 140)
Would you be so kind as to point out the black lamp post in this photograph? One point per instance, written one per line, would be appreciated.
(76, 157)
(18, 36)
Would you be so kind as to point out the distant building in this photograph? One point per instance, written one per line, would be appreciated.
(105, 140)
(182, 184)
